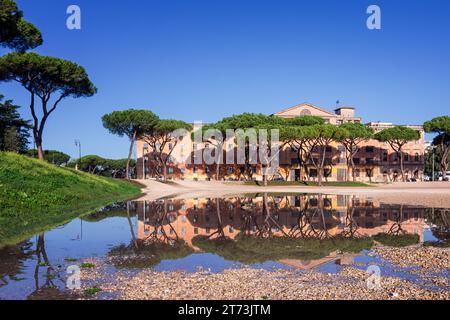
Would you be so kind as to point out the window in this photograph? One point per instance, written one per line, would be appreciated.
(328, 149)
(385, 156)
(194, 170)
(369, 149)
(406, 156)
(357, 160)
(395, 157)
(416, 157)
(305, 112)
(170, 170)
(170, 146)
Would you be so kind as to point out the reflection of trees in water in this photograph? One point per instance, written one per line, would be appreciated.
(299, 225)
(160, 218)
(44, 276)
(49, 288)
(154, 247)
(440, 225)
(311, 216)
(115, 210)
(396, 228)
(12, 259)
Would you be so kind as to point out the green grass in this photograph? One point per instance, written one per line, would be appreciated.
(87, 265)
(37, 196)
(403, 240)
(308, 184)
(92, 291)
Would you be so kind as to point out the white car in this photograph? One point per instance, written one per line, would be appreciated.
(446, 177)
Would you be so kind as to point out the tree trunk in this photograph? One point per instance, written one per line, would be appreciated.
(444, 162)
(400, 153)
(348, 169)
(133, 236)
(165, 171)
(353, 170)
(39, 149)
(320, 169)
(264, 176)
(129, 156)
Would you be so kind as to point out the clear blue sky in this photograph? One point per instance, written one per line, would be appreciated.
(205, 59)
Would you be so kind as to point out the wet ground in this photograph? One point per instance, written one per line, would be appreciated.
(296, 232)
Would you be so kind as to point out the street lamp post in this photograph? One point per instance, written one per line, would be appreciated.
(78, 144)
(144, 155)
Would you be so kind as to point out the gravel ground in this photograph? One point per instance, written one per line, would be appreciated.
(427, 258)
(255, 284)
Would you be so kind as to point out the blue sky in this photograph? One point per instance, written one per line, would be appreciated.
(206, 59)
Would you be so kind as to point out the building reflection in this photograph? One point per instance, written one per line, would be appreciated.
(266, 215)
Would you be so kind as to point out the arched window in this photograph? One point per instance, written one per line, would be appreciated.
(305, 112)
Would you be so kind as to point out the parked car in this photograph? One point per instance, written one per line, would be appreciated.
(444, 178)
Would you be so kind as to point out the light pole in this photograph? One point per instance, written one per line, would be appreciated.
(78, 144)
(144, 155)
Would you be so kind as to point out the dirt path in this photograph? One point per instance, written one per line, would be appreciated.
(431, 194)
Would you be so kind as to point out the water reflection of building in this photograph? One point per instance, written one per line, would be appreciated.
(303, 216)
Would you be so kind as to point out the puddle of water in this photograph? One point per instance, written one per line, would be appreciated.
(298, 232)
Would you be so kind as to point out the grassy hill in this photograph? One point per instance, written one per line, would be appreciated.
(35, 196)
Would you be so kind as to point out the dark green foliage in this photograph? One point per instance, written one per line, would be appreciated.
(132, 124)
(57, 158)
(250, 250)
(100, 166)
(404, 240)
(146, 255)
(397, 137)
(46, 75)
(441, 127)
(44, 78)
(15, 32)
(304, 121)
(13, 129)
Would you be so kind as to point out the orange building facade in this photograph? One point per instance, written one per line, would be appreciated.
(375, 161)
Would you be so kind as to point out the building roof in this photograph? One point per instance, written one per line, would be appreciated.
(304, 105)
